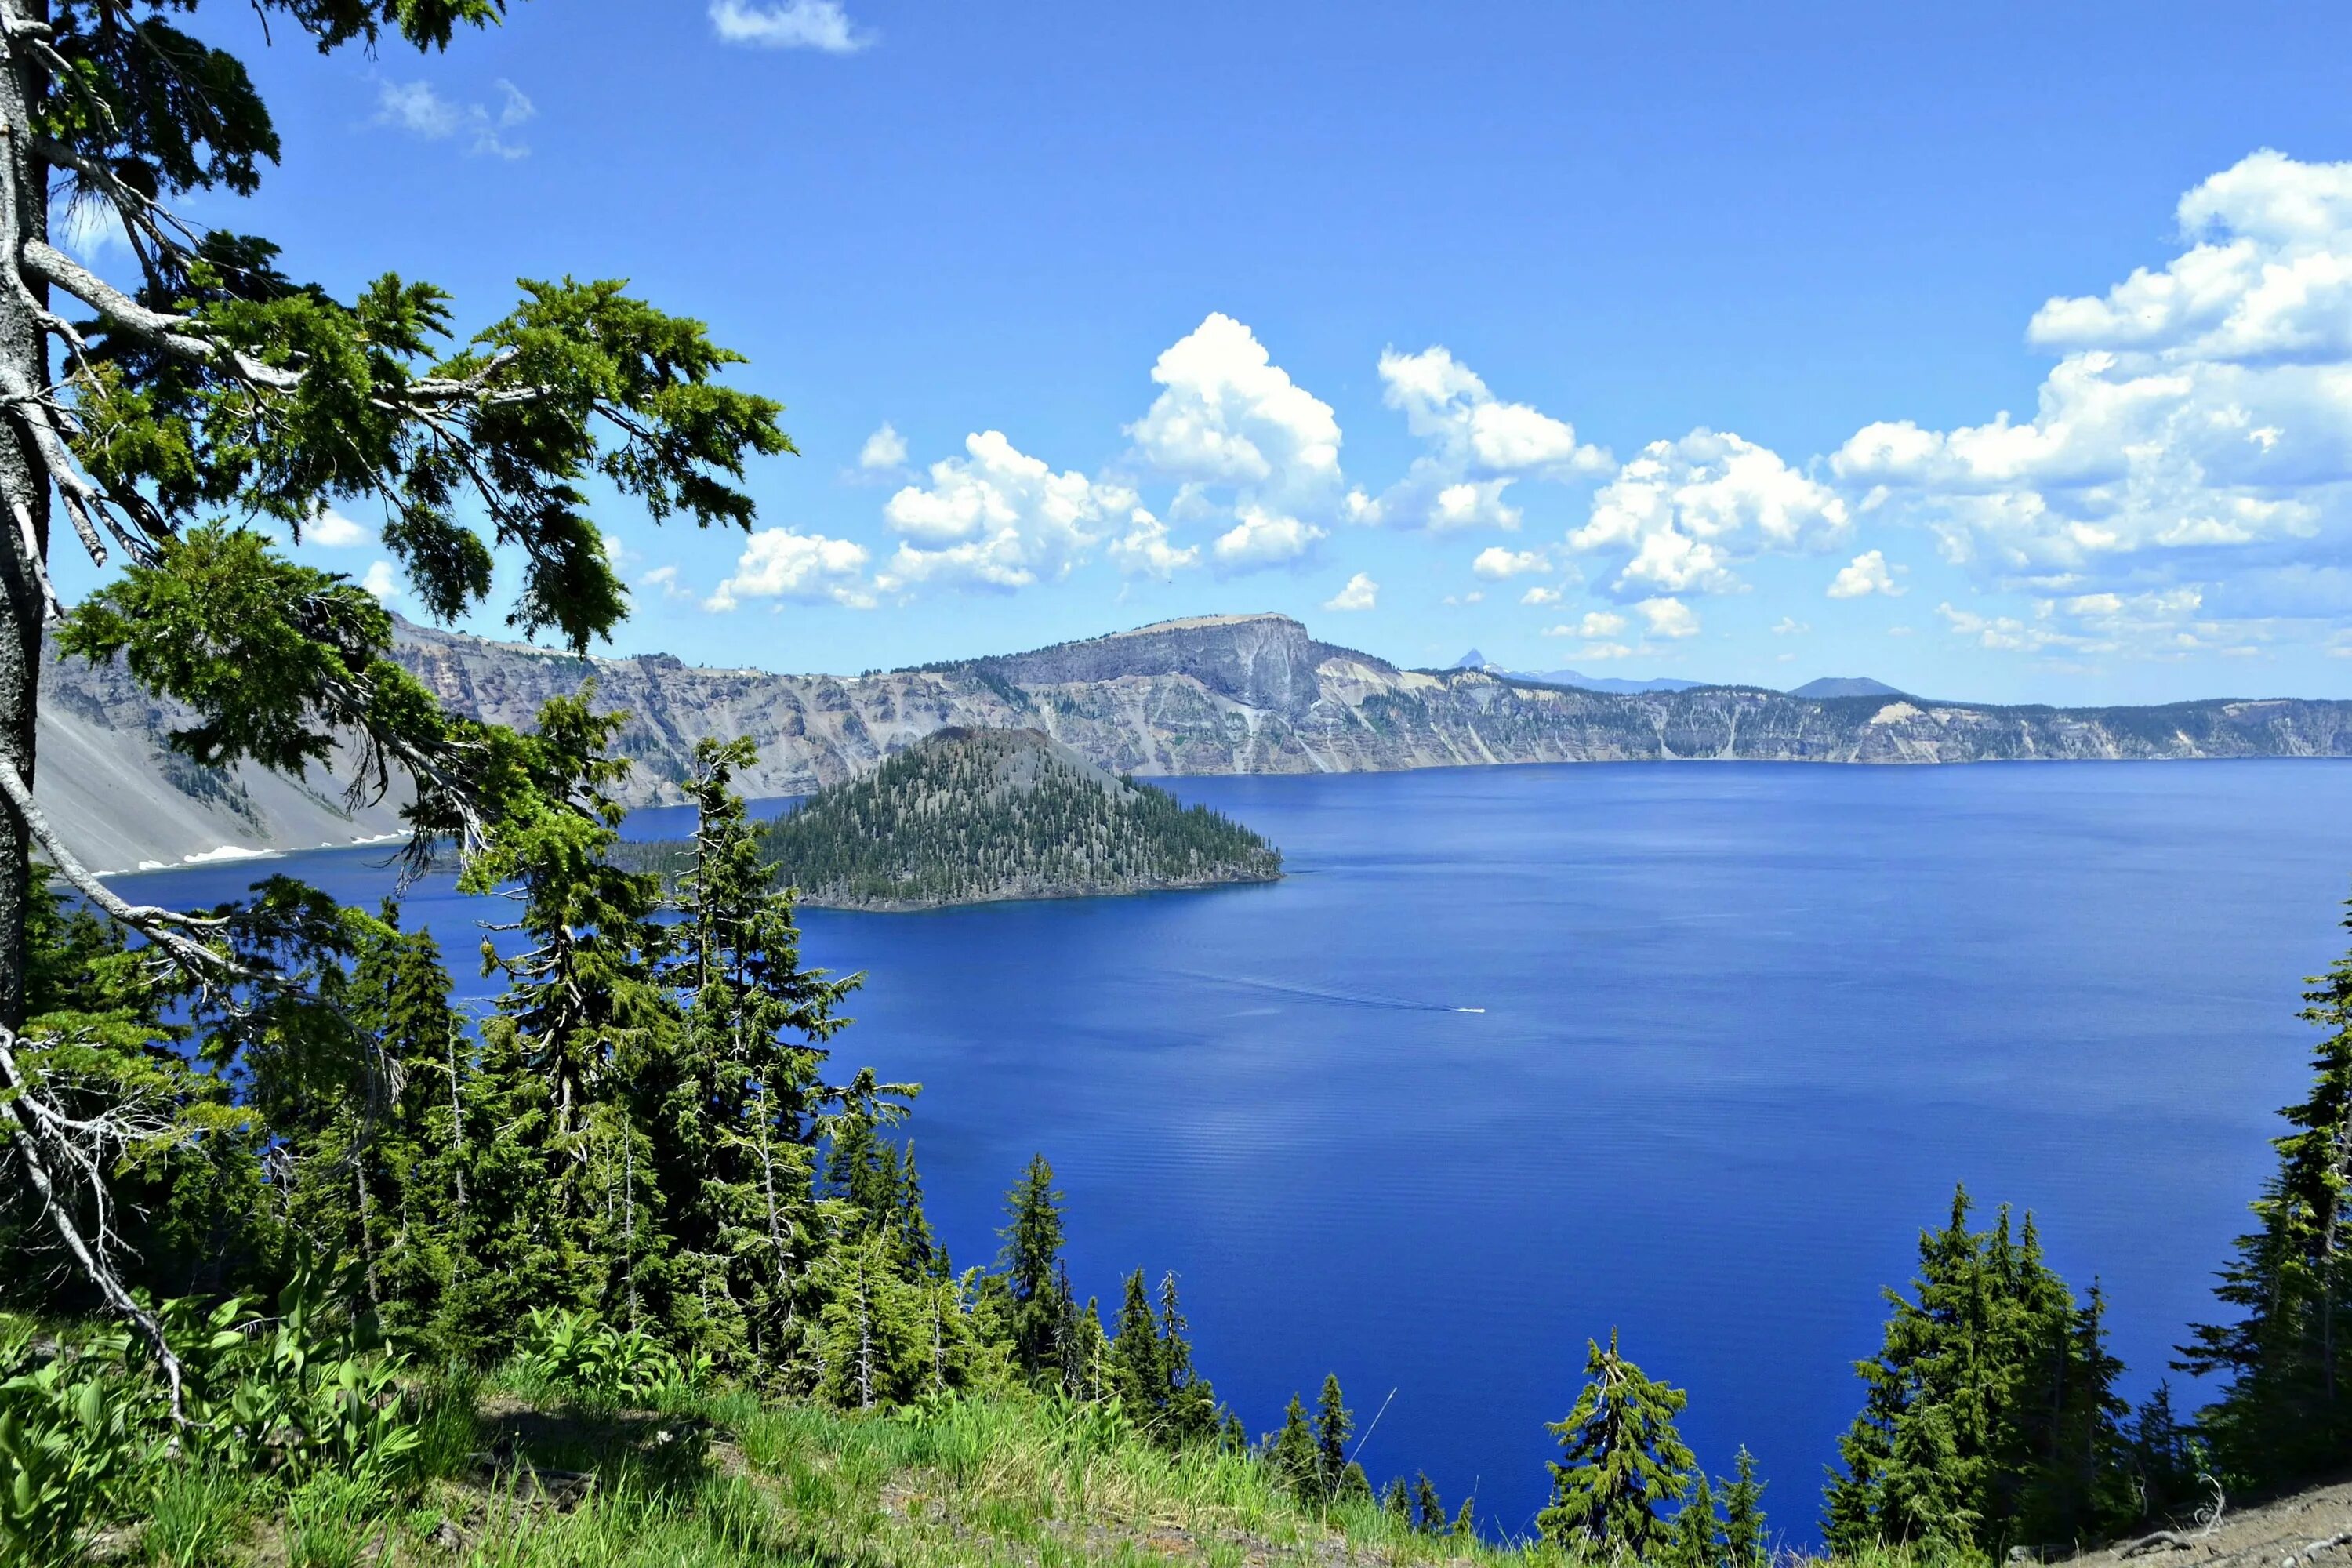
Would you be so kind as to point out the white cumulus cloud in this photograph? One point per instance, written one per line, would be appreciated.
(336, 531)
(381, 582)
(885, 449)
(1144, 551)
(1359, 593)
(1228, 415)
(820, 25)
(1865, 574)
(1262, 537)
(782, 564)
(1682, 514)
(1540, 595)
(996, 518)
(1479, 445)
(1498, 563)
(1668, 617)
(2197, 420)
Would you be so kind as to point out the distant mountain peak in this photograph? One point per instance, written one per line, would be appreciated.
(1473, 660)
(1846, 686)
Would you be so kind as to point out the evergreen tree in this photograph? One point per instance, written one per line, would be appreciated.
(2283, 1415)
(1428, 1509)
(1621, 1459)
(1334, 1425)
(1695, 1538)
(1745, 1544)
(1032, 1261)
(2165, 1458)
(1396, 1500)
(1465, 1522)
(1188, 1407)
(1138, 1370)
(1296, 1459)
(1989, 1417)
(738, 1112)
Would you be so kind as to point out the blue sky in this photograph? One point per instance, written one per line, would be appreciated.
(2004, 353)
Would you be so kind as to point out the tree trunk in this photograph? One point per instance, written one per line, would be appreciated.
(24, 483)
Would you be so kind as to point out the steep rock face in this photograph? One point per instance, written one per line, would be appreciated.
(1211, 695)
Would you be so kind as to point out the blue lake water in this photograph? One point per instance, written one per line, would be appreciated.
(1741, 1028)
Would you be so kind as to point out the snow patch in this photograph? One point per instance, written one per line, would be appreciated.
(226, 852)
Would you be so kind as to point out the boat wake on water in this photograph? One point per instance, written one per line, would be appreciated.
(1328, 997)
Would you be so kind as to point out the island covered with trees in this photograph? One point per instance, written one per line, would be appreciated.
(968, 816)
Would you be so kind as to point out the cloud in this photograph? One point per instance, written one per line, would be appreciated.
(1866, 573)
(86, 226)
(1144, 550)
(2197, 420)
(379, 582)
(415, 107)
(1683, 513)
(1478, 446)
(820, 25)
(1790, 626)
(885, 449)
(1668, 617)
(1540, 595)
(1498, 563)
(665, 578)
(780, 564)
(1262, 537)
(1476, 595)
(996, 518)
(1600, 624)
(336, 531)
(1228, 415)
(1360, 594)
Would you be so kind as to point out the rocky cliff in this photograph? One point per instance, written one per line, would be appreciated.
(1209, 695)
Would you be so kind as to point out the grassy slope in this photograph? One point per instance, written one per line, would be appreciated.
(726, 1480)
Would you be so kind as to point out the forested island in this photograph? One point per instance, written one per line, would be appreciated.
(970, 817)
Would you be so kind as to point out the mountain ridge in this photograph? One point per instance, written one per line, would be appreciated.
(1225, 694)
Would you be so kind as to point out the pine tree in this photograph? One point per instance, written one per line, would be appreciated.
(1334, 1425)
(1396, 1501)
(1296, 1459)
(1990, 1417)
(1621, 1459)
(1745, 1544)
(2284, 1415)
(738, 1112)
(1190, 1407)
(1465, 1522)
(2164, 1457)
(1032, 1261)
(1428, 1509)
(1692, 1540)
(1139, 1369)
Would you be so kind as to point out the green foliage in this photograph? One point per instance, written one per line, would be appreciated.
(581, 1359)
(1990, 1417)
(2284, 1416)
(968, 814)
(1621, 1459)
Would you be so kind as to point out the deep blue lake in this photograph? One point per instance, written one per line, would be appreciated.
(1743, 1026)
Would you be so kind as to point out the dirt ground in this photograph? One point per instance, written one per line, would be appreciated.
(2314, 1526)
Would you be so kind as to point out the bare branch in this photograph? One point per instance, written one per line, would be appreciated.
(41, 1138)
(168, 332)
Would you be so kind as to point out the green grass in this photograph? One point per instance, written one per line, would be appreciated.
(726, 1481)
